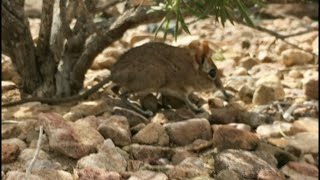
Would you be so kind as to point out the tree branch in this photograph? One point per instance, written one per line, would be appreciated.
(129, 19)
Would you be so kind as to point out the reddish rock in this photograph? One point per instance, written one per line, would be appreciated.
(226, 137)
(97, 174)
(9, 152)
(185, 132)
(68, 138)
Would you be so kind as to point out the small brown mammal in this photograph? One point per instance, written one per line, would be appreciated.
(156, 68)
(161, 68)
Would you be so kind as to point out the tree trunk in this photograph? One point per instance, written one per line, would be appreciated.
(17, 43)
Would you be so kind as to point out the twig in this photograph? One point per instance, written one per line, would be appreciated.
(10, 122)
(280, 36)
(35, 156)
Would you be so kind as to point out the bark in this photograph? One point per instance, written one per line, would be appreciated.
(46, 58)
(17, 43)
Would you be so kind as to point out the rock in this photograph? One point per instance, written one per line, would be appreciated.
(111, 161)
(246, 94)
(27, 155)
(299, 140)
(9, 152)
(263, 95)
(180, 155)
(152, 134)
(240, 126)
(269, 175)
(133, 117)
(306, 124)
(150, 102)
(27, 130)
(137, 128)
(102, 62)
(7, 86)
(21, 144)
(226, 137)
(254, 119)
(116, 128)
(180, 114)
(227, 174)
(189, 168)
(248, 62)
(47, 174)
(85, 109)
(96, 174)
(196, 128)
(264, 56)
(274, 130)
(311, 89)
(10, 131)
(295, 74)
(9, 72)
(134, 165)
(225, 115)
(239, 71)
(266, 156)
(108, 157)
(282, 156)
(44, 164)
(17, 175)
(216, 103)
(315, 46)
(274, 82)
(146, 175)
(246, 164)
(44, 143)
(70, 139)
(149, 153)
(292, 57)
(298, 170)
(90, 121)
(113, 52)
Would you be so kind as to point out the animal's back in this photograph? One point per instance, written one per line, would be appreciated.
(152, 66)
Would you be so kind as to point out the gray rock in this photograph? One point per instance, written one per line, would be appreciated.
(116, 128)
(227, 174)
(27, 155)
(191, 167)
(246, 164)
(108, 158)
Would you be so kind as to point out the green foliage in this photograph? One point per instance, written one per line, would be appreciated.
(223, 10)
